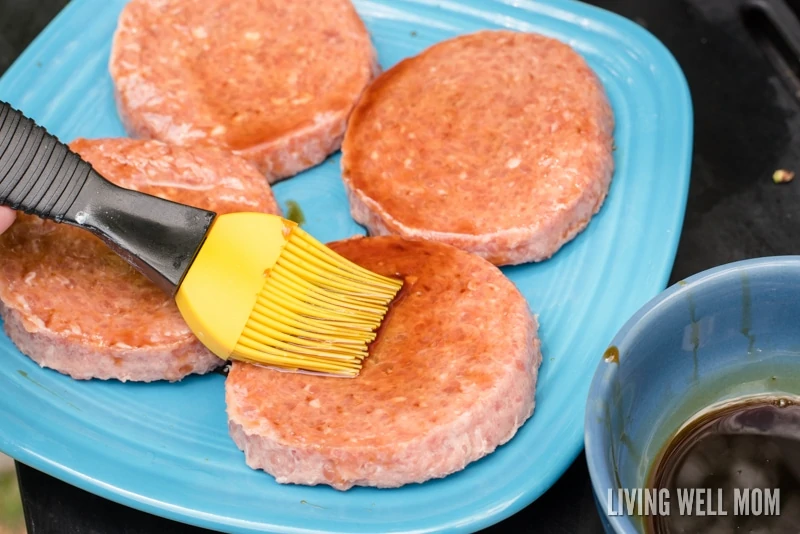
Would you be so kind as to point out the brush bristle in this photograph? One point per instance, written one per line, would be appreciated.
(317, 311)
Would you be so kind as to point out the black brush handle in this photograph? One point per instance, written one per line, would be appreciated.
(40, 175)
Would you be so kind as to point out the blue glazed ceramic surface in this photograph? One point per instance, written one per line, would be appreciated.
(722, 334)
(165, 448)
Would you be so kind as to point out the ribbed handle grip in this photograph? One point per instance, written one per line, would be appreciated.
(38, 173)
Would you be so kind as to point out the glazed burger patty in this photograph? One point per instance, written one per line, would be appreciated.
(498, 142)
(451, 377)
(73, 305)
(271, 80)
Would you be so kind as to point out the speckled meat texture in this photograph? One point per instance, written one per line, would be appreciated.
(499, 143)
(451, 377)
(272, 80)
(73, 305)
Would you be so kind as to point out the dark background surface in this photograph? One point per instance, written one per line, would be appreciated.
(746, 105)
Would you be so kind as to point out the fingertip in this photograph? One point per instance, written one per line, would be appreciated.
(7, 218)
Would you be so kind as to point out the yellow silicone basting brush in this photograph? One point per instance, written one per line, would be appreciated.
(251, 286)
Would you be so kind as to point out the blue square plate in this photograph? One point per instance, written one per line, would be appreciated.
(164, 448)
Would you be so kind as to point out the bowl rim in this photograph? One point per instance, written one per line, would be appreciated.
(599, 472)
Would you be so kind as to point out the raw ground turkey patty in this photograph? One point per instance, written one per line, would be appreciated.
(73, 305)
(273, 80)
(498, 142)
(451, 377)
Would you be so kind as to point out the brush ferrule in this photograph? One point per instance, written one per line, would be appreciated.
(157, 237)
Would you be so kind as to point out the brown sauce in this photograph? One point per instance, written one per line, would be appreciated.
(294, 213)
(611, 355)
(401, 295)
(745, 459)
